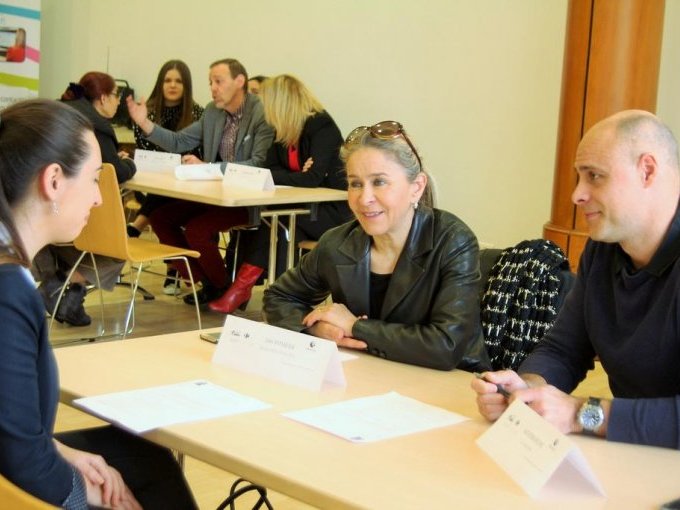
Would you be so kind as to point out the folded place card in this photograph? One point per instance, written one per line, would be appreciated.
(202, 172)
(534, 453)
(248, 177)
(279, 354)
(154, 161)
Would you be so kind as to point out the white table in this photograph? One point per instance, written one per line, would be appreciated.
(442, 468)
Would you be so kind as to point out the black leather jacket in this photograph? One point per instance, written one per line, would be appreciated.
(430, 315)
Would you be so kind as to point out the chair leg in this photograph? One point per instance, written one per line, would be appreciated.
(130, 315)
(236, 248)
(193, 290)
(101, 296)
(145, 293)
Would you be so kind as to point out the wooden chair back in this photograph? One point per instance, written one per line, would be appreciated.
(15, 498)
(105, 232)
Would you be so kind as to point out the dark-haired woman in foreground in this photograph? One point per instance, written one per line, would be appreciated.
(49, 167)
(403, 277)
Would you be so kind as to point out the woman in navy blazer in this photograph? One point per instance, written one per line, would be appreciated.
(305, 153)
(49, 166)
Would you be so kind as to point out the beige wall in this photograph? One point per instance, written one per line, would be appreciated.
(668, 102)
(476, 82)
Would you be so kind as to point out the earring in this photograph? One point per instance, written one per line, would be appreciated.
(55, 208)
(415, 205)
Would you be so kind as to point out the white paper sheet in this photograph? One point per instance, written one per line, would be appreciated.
(150, 408)
(368, 419)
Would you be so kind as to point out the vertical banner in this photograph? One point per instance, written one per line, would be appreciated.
(19, 50)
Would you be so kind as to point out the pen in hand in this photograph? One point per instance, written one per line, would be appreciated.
(499, 388)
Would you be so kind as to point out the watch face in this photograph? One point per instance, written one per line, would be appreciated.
(591, 416)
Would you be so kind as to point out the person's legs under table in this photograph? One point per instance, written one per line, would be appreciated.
(149, 470)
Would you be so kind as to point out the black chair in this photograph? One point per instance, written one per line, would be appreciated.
(523, 288)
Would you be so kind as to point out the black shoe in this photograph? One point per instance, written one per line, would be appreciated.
(171, 285)
(205, 295)
(71, 309)
(49, 291)
(133, 231)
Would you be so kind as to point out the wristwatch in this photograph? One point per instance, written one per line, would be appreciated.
(591, 416)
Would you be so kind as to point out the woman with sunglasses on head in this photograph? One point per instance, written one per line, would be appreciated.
(171, 105)
(96, 97)
(49, 167)
(403, 277)
(305, 153)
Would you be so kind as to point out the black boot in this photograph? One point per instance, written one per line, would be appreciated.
(49, 290)
(71, 309)
(133, 231)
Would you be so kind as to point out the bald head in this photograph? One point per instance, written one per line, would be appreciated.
(637, 132)
(629, 181)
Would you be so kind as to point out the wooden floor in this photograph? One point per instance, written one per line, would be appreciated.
(166, 314)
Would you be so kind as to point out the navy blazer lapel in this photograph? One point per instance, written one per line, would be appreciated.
(354, 277)
(410, 267)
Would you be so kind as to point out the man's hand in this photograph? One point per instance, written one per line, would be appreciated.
(554, 405)
(139, 114)
(490, 403)
(190, 159)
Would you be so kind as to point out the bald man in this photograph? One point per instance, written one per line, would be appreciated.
(625, 305)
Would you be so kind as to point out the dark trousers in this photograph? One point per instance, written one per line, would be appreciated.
(152, 202)
(197, 226)
(149, 470)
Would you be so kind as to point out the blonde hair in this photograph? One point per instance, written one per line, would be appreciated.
(287, 106)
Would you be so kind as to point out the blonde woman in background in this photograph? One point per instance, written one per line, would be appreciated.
(305, 153)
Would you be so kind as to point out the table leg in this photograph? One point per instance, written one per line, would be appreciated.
(291, 240)
(273, 240)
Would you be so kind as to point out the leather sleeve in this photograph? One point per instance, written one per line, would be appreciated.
(295, 293)
(450, 336)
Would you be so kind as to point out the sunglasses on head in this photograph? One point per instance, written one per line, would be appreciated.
(385, 130)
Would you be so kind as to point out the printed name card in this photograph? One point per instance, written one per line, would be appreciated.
(536, 454)
(279, 354)
(248, 177)
(202, 172)
(153, 161)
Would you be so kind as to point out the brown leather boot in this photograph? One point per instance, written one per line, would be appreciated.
(238, 295)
